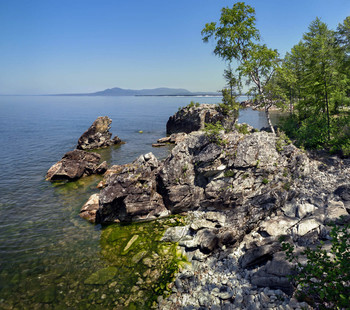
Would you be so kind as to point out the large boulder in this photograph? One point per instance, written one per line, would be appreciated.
(74, 165)
(130, 193)
(190, 119)
(97, 135)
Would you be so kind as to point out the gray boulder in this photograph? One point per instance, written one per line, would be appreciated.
(98, 135)
(190, 119)
(130, 194)
(274, 274)
(74, 165)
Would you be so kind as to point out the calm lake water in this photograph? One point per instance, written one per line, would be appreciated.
(47, 253)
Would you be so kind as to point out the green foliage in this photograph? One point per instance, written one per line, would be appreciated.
(325, 278)
(237, 38)
(212, 131)
(190, 105)
(265, 181)
(312, 132)
(229, 174)
(229, 103)
(314, 79)
(286, 186)
(242, 128)
(282, 141)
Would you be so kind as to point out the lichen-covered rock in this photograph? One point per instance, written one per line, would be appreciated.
(97, 135)
(74, 165)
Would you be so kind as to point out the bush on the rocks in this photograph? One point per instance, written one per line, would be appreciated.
(212, 131)
(325, 278)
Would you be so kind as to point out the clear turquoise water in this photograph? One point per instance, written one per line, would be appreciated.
(46, 251)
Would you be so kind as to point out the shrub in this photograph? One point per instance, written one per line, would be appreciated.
(229, 173)
(282, 141)
(325, 277)
(212, 131)
(243, 128)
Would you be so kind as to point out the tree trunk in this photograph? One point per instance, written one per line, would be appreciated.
(327, 108)
(269, 120)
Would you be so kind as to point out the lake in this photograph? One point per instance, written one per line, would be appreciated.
(48, 254)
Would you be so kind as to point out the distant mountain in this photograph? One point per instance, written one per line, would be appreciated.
(116, 91)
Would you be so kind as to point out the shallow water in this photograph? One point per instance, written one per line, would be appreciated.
(47, 252)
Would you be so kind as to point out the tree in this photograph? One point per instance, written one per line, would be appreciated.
(229, 95)
(322, 65)
(315, 76)
(237, 39)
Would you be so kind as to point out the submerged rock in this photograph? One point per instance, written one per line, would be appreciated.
(98, 135)
(74, 165)
(102, 276)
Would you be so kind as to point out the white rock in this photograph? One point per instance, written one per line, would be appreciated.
(307, 225)
(335, 209)
(305, 209)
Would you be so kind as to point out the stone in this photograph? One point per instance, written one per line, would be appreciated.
(343, 192)
(335, 210)
(131, 193)
(304, 209)
(175, 234)
(164, 140)
(74, 165)
(190, 119)
(102, 168)
(259, 255)
(129, 244)
(89, 209)
(177, 137)
(102, 276)
(158, 144)
(278, 226)
(202, 223)
(306, 226)
(97, 135)
(257, 149)
(274, 274)
(207, 240)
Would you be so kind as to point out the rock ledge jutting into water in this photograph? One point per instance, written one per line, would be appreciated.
(241, 193)
(76, 164)
(98, 135)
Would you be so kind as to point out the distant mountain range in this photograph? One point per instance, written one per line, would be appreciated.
(116, 91)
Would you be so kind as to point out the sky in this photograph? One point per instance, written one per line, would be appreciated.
(80, 46)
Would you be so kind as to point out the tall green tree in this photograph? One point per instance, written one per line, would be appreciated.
(322, 65)
(237, 39)
(315, 76)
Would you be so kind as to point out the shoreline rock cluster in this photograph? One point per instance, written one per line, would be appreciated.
(80, 163)
(242, 191)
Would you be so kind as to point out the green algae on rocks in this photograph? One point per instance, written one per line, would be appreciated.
(141, 265)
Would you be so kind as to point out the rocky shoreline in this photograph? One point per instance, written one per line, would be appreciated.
(241, 190)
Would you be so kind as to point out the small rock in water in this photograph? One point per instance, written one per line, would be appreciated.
(102, 276)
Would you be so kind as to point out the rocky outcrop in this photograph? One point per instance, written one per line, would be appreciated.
(130, 193)
(193, 118)
(241, 193)
(76, 164)
(97, 135)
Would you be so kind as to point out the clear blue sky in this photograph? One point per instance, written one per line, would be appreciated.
(65, 46)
